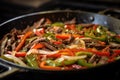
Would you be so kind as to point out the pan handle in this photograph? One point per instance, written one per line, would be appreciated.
(7, 70)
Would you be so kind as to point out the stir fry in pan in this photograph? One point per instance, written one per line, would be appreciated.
(61, 45)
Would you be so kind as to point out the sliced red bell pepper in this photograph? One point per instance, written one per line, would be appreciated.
(20, 54)
(115, 53)
(36, 46)
(57, 42)
(77, 36)
(102, 53)
(113, 56)
(70, 26)
(66, 36)
(47, 67)
(62, 36)
(93, 51)
(111, 59)
(61, 52)
(66, 52)
(56, 55)
(23, 40)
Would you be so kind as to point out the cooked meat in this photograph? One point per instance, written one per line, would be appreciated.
(49, 46)
(69, 40)
(103, 60)
(86, 25)
(60, 45)
(92, 59)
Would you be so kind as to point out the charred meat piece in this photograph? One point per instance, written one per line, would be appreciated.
(86, 25)
(49, 46)
(103, 60)
(92, 59)
(73, 21)
(69, 40)
(34, 41)
(114, 45)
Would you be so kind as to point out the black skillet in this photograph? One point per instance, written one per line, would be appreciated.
(104, 72)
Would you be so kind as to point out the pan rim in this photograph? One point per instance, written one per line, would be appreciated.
(52, 11)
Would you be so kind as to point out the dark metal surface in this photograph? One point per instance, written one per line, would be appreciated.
(9, 10)
(65, 15)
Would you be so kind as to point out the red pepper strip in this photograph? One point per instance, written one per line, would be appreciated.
(70, 26)
(61, 52)
(115, 53)
(37, 46)
(77, 36)
(93, 51)
(101, 42)
(111, 59)
(98, 52)
(23, 40)
(57, 42)
(102, 53)
(66, 52)
(74, 50)
(46, 67)
(66, 36)
(20, 54)
(56, 55)
(63, 36)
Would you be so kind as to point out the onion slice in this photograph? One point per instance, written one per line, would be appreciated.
(74, 57)
(41, 52)
(15, 59)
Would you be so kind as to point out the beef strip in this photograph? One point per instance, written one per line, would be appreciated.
(49, 46)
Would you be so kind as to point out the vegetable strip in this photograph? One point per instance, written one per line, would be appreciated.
(61, 45)
(23, 40)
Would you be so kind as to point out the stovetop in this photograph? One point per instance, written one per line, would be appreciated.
(11, 10)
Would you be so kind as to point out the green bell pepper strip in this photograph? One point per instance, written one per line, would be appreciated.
(64, 61)
(31, 60)
(59, 62)
(91, 34)
(84, 63)
(83, 53)
(58, 24)
(50, 35)
(69, 62)
(79, 27)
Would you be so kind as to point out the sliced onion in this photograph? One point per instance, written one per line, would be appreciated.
(78, 43)
(74, 57)
(32, 51)
(15, 59)
(41, 52)
(85, 38)
(114, 44)
(47, 52)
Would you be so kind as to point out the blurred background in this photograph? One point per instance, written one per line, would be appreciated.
(12, 8)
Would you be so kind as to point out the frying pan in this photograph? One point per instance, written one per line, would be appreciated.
(107, 71)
